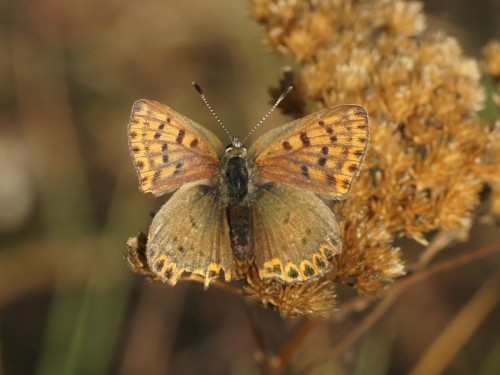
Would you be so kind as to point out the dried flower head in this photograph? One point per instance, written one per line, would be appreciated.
(315, 298)
(430, 154)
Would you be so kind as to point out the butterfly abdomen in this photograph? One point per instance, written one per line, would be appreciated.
(240, 221)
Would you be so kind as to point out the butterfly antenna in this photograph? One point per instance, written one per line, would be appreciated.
(282, 96)
(200, 91)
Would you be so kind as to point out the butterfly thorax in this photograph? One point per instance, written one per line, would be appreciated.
(234, 173)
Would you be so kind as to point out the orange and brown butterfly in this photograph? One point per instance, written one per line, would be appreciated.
(235, 205)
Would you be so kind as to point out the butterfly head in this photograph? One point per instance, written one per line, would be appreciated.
(235, 149)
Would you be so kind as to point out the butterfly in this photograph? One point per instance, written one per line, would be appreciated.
(231, 205)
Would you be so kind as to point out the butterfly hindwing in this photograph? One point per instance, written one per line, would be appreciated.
(169, 149)
(190, 233)
(294, 234)
(321, 152)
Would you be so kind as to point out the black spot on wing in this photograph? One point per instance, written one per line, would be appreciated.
(359, 153)
(308, 270)
(180, 136)
(320, 263)
(293, 273)
(304, 170)
(305, 139)
(158, 266)
(330, 179)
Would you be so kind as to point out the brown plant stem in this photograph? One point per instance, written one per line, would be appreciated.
(354, 334)
(357, 304)
(448, 265)
(390, 296)
(452, 339)
(293, 344)
(442, 240)
(265, 357)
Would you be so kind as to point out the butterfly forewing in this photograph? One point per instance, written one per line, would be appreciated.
(169, 149)
(190, 233)
(294, 234)
(322, 152)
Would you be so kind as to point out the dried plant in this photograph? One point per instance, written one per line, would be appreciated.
(430, 153)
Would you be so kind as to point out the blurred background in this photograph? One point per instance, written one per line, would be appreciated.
(69, 198)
